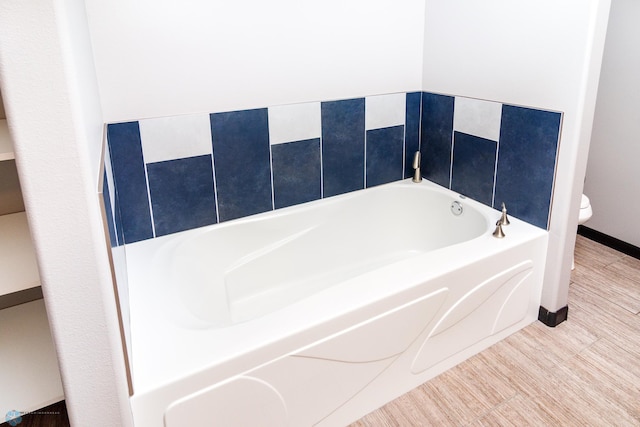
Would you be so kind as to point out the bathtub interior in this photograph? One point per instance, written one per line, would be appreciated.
(259, 265)
(332, 355)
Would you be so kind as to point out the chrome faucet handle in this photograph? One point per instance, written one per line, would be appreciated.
(417, 176)
(504, 220)
(498, 233)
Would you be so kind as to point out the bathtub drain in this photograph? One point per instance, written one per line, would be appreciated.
(456, 208)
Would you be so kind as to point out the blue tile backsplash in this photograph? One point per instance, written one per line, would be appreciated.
(182, 194)
(167, 178)
(384, 155)
(412, 129)
(242, 163)
(474, 163)
(527, 160)
(296, 172)
(343, 139)
(437, 137)
(132, 201)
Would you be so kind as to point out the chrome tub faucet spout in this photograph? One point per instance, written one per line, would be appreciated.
(417, 176)
(503, 221)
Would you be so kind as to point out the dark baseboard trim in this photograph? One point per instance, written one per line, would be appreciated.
(553, 319)
(612, 242)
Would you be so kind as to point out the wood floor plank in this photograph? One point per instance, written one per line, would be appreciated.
(531, 373)
(579, 409)
(604, 319)
(468, 391)
(628, 267)
(590, 253)
(407, 410)
(611, 286)
(612, 372)
(563, 341)
(517, 412)
(488, 387)
(593, 387)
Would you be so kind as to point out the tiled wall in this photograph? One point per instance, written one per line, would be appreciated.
(492, 152)
(176, 173)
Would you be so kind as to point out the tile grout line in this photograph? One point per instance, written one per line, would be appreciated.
(146, 181)
(587, 289)
(493, 408)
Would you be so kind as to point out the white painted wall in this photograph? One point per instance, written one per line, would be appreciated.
(166, 57)
(51, 99)
(537, 53)
(613, 175)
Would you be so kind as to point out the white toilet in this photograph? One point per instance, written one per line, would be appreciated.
(585, 214)
(585, 210)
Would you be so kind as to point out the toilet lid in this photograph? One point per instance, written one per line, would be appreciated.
(584, 202)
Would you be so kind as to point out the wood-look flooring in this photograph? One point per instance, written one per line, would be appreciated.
(54, 415)
(584, 372)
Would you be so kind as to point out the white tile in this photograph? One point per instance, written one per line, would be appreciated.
(295, 122)
(382, 111)
(477, 117)
(177, 137)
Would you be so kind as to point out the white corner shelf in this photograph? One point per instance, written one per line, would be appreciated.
(6, 147)
(29, 368)
(18, 265)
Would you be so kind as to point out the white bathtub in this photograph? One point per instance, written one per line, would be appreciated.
(318, 314)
